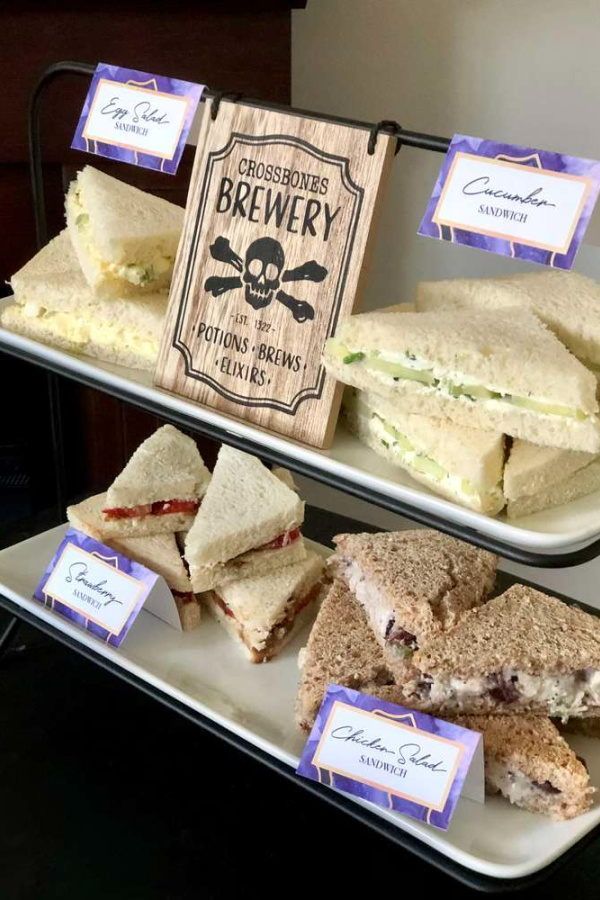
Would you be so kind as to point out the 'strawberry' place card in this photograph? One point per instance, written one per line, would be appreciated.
(102, 591)
(137, 118)
(392, 756)
(516, 201)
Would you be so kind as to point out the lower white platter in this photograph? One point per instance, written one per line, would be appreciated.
(206, 672)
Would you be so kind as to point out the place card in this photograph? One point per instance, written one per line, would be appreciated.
(395, 757)
(137, 118)
(515, 201)
(102, 591)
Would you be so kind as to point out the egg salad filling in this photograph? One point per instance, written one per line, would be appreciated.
(391, 368)
(139, 273)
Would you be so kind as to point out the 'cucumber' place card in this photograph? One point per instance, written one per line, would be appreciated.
(521, 202)
(137, 118)
(394, 757)
(102, 591)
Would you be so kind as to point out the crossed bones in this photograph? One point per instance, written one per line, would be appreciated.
(263, 271)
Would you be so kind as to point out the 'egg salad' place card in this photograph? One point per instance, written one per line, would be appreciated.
(394, 757)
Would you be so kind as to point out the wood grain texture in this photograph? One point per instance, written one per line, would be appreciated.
(278, 221)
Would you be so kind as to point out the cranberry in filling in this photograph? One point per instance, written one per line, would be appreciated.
(400, 636)
(505, 689)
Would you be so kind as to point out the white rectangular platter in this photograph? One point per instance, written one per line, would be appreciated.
(557, 531)
(205, 671)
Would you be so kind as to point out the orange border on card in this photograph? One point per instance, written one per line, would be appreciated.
(142, 90)
(82, 612)
(378, 785)
(502, 234)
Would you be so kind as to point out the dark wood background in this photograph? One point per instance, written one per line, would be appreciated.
(242, 46)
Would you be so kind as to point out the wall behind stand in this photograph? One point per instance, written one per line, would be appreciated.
(524, 73)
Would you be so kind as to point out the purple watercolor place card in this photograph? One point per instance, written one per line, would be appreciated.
(392, 756)
(100, 590)
(516, 201)
(137, 118)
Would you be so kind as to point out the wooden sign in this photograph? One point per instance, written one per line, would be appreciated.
(277, 223)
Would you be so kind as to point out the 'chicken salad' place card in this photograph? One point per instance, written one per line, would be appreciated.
(137, 118)
(394, 757)
(102, 591)
(515, 201)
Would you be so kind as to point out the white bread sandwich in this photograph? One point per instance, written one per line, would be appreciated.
(158, 552)
(531, 765)
(568, 303)
(462, 464)
(248, 523)
(341, 649)
(53, 304)
(262, 613)
(522, 652)
(160, 488)
(125, 239)
(500, 371)
(412, 584)
(537, 478)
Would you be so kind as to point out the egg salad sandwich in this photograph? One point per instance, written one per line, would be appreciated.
(522, 652)
(125, 239)
(462, 464)
(531, 765)
(160, 488)
(158, 552)
(500, 371)
(248, 523)
(412, 584)
(537, 478)
(567, 302)
(263, 612)
(53, 304)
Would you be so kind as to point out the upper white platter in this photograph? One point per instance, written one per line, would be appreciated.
(205, 670)
(348, 464)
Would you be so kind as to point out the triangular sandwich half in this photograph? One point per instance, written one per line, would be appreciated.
(160, 488)
(529, 763)
(522, 652)
(54, 305)
(413, 584)
(125, 239)
(248, 523)
(499, 370)
(262, 613)
(462, 464)
(158, 552)
(568, 303)
(536, 478)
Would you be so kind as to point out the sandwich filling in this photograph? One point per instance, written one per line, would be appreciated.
(158, 508)
(391, 368)
(562, 695)
(136, 272)
(517, 787)
(278, 543)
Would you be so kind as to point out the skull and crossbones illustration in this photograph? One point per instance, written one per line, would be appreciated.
(262, 272)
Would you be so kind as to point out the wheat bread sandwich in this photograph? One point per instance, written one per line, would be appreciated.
(537, 478)
(160, 488)
(412, 584)
(522, 652)
(500, 371)
(568, 303)
(158, 552)
(125, 239)
(531, 765)
(462, 464)
(262, 613)
(248, 523)
(54, 304)
(342, 649)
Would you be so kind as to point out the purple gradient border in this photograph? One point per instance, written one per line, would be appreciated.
(126, 565)
(469, 739)
(555, 162)
(135, 157)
